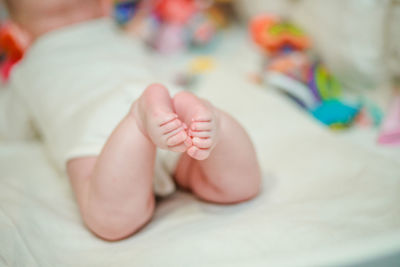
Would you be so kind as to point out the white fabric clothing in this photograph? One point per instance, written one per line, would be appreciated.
(77, 83)
(14, 119)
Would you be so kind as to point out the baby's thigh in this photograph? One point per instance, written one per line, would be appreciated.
(111, 212)
(79, 171)
(190, 176)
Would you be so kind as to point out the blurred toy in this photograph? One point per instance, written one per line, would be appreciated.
(335, 113)
(182, 24)
(174, 25)
(12, 48)
(175, 11)
(197, 67)
(390, 132)
(323, 84)
(203, 64)
(275, 35)
(5, 68)
(290, 73)
(291, 67)
(124, 10)
(370, 114)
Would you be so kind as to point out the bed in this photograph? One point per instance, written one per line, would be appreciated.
(327, 199)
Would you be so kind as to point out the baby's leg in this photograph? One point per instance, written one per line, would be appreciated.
(115, 189)
(221, 166)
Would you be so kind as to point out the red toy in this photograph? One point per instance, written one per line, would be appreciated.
(175, 11)
(13, 46)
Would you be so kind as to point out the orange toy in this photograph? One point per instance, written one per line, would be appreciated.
(12, 42)
(274, 35)
(13, 45)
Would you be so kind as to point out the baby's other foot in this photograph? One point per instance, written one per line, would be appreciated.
(203, 131)
(168, 132)
(157, 120)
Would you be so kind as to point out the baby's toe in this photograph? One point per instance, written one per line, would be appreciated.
(177, 138)
(192, 151)
(201, 126)
(170, 126)
(198, 154)
(164, 118)
(202, 142)
(200, 134)
(182, 147)
(164, 137)
(188, 142)
(202, 154)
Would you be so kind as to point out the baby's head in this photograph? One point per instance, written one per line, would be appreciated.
(36, 17)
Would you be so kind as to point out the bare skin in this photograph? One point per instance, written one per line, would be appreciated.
(114, 189)
(34, 18)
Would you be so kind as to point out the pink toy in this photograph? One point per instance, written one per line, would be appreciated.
(390, 133)
(181, 24)
(173, 15)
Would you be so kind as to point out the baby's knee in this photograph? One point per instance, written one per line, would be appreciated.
(115, 226)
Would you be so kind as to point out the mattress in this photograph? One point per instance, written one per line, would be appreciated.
(326, 200)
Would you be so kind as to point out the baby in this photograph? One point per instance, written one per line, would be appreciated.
(87, 91)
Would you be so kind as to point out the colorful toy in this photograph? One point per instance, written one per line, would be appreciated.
(275, 35)
(323, 84)
(174, 25)
(335, 113)
(291, 67)
(12, 48)
(290, 72)
(182, 24)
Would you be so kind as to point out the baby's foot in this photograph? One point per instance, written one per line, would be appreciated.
(157, 120)
(203, 130)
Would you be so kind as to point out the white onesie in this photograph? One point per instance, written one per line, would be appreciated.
(77, 84)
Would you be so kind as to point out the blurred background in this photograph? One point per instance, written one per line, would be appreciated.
(339, 61)
(359, 40)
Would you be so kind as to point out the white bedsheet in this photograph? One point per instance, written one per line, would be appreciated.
(324, 201)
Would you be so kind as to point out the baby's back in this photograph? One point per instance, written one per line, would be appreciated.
(67, 73)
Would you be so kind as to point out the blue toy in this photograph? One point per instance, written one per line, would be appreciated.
(125, 10)
(335, 113)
